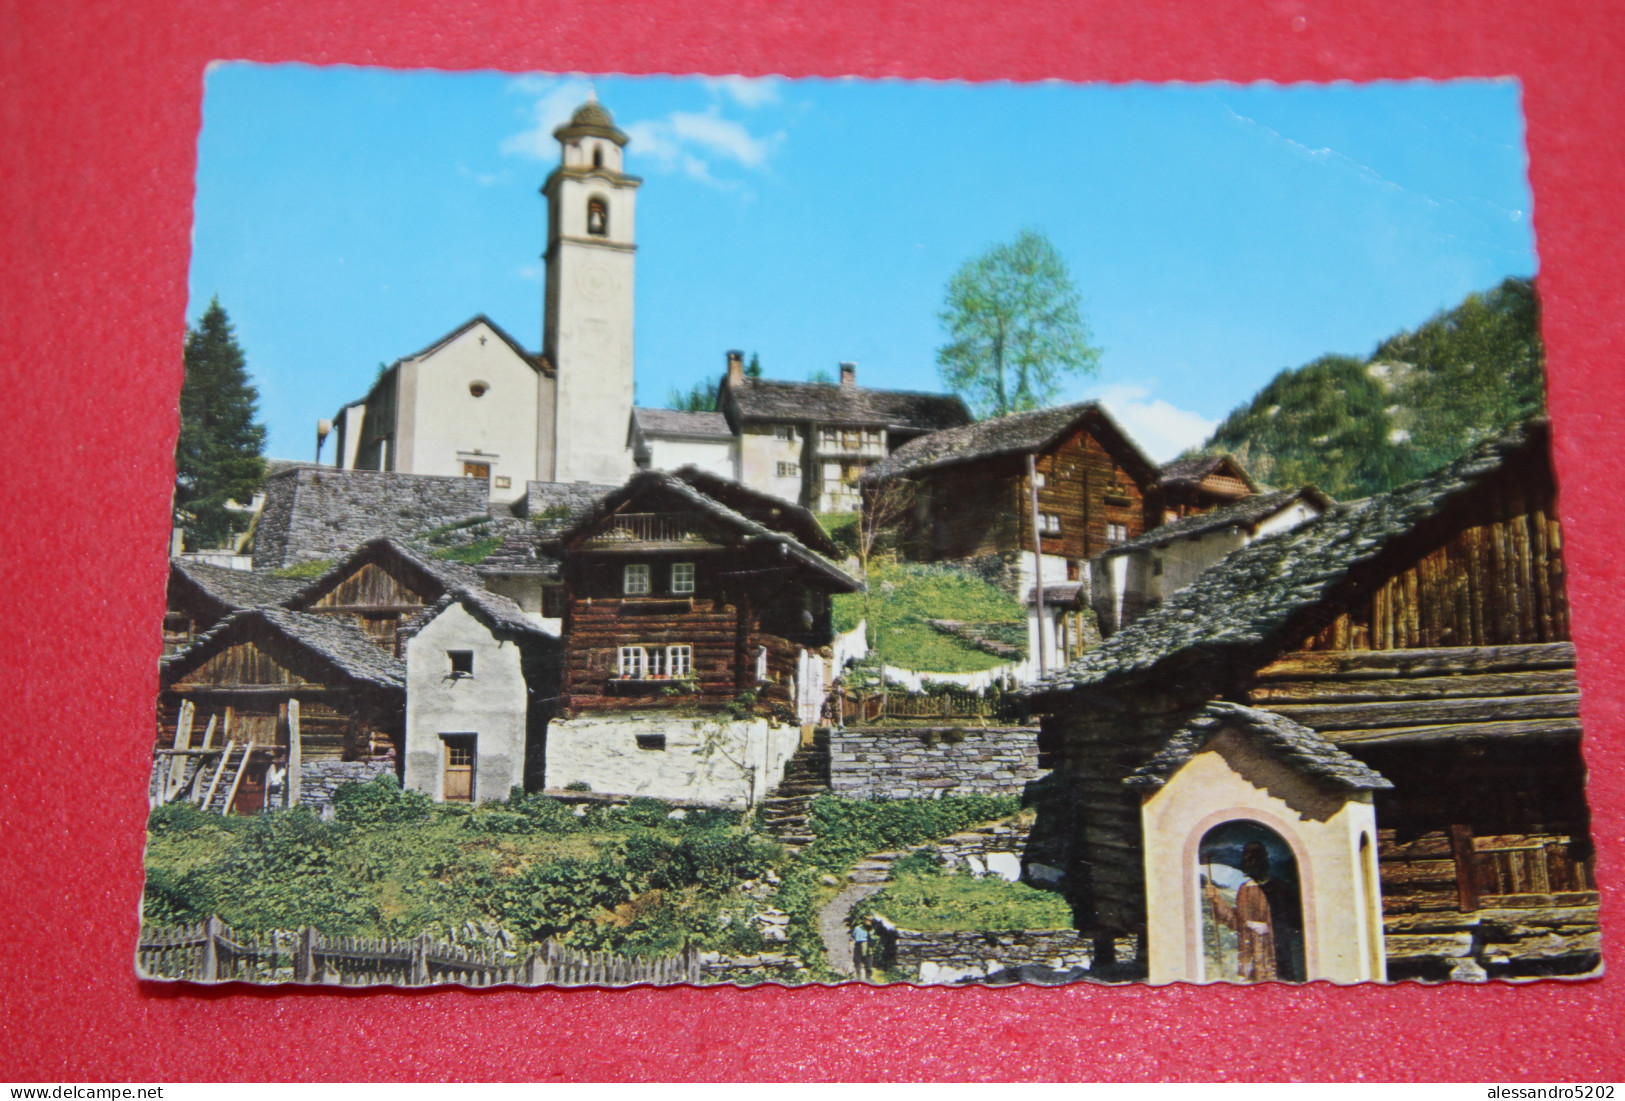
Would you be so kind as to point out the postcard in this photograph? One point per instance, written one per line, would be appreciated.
(722, 530)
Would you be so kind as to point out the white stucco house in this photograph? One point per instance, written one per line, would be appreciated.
(478, 681)
(1129, 580)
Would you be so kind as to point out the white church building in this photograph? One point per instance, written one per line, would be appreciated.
(476, 404)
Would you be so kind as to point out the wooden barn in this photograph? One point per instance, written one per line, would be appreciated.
(276, 705)
(964, 494)
(1188, 487)
(1423, 633)
(678, 600)
(380, 586)
(200, 595)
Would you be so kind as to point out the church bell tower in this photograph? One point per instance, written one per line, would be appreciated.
(587, 314)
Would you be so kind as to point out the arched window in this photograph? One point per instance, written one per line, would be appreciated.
(597, 217)
(598, 156)
(1252, 912)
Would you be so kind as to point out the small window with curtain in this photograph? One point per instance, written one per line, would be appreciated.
(679, 661)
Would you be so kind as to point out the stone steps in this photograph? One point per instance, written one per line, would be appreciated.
(806, 777)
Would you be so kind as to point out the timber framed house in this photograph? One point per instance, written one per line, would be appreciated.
(970, 494)
(679, 600)
(1423, 633)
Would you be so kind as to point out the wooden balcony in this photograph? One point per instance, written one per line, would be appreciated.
(640, 530)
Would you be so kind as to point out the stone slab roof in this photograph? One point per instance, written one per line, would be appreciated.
(237, 589)
(1197, 467)
(554, 507)
(1289, 742)
(828, 403)
(1252, 600)
(675, 422)
(751, 529)
(500, 615)
(1017, 434)
(1247, 512)
(335, 639)
(773, 511)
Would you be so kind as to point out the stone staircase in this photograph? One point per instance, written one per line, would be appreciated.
(784, 813)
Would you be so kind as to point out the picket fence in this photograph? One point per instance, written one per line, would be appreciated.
(212, 952)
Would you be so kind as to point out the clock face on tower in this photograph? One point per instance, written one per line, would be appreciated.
(595, 280)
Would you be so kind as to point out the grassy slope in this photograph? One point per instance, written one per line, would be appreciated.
(902, 597)
(959, 903)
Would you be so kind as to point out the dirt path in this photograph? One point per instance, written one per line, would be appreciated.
(832, 924)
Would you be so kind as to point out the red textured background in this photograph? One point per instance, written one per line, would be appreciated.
(99, 111)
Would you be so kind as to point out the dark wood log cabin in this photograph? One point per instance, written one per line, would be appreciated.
(970, 497)
(676, 600)
(199, 595)
(1425, 632)
(382, 584)
(239, 678)
(1200, 484)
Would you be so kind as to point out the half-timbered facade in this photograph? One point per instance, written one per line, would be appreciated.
(811, 443)
(1424, 633)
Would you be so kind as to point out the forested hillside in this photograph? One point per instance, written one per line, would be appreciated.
(1355, 427)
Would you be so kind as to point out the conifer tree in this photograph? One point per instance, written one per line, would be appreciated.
(219, 455)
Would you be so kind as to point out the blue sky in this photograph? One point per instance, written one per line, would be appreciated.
(1217, 233)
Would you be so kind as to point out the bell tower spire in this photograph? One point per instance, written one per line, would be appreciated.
(587, 312)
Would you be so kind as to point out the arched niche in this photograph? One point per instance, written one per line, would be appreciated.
(1237, 776)
(597, 216)
(1252, 904)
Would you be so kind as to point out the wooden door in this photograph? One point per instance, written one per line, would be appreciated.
(457, 784)
(477, 470)
(251, 792)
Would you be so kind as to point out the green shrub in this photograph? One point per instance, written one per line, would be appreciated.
(549, 900)
(171, 899)
(544, 813)
(918, 862)
(578, 785)
(846, 829)
(378, 801)
(643, 812)
(174, 818)
(304, 571)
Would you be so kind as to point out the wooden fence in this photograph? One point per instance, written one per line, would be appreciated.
(857, 708)
(212, 952)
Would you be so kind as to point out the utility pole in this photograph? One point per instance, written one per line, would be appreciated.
(1038, 556)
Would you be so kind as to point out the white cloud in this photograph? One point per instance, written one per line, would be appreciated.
(693, 142)
(746, 91)
(556, 100)
(1161, 428)
(531, 272)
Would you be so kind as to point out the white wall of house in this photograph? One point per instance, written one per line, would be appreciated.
(714, 455)
(490, 705)
(718, 761)
(1337, 873)
(766, 459)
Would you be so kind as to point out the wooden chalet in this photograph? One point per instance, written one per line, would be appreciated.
(229, 705)
(200, 596)
(1200, 483)
(1425, 634)
(679, 600)
(970, 492)
(380, 585)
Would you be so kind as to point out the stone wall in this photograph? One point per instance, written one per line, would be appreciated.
(319, 779)
(921, 763)
(314, 512)
(951, 957)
